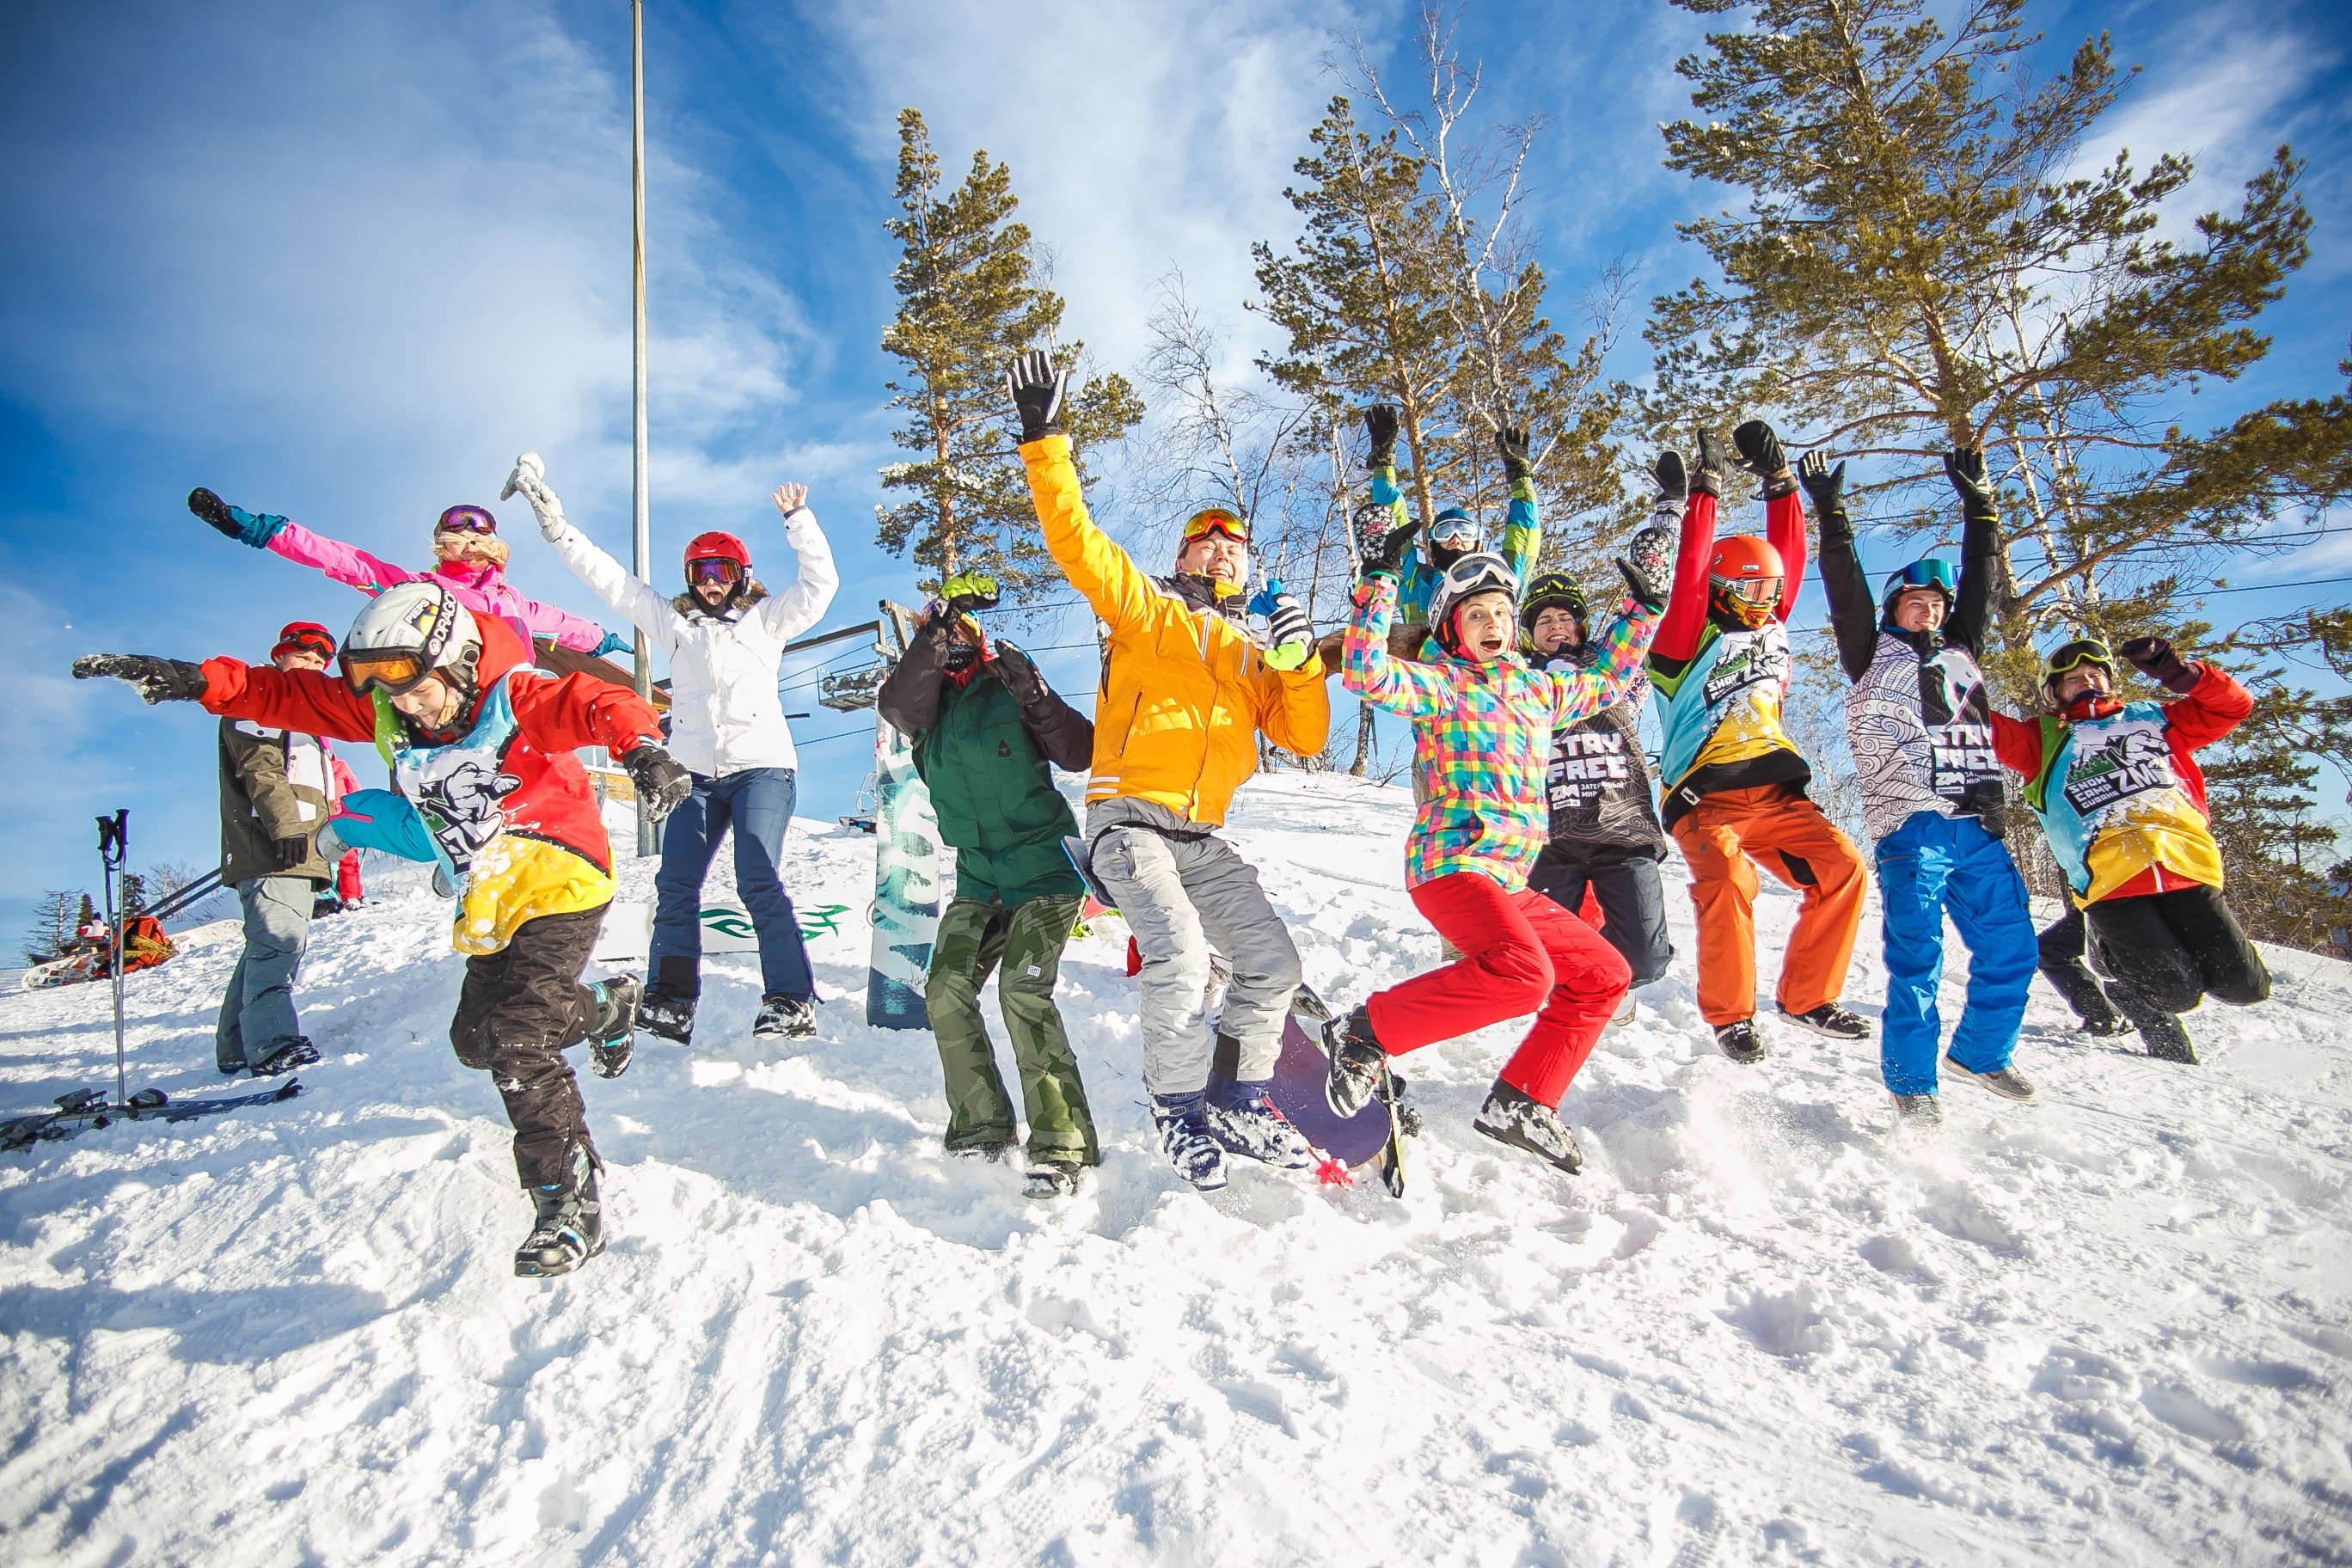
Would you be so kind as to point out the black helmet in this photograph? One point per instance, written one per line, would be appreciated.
(1553, 590)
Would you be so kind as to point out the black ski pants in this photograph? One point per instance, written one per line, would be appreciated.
(2169, 951)
(2063, 945)
(520, 1006)
(1625, 882)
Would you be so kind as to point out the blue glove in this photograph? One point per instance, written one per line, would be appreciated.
(613, 643)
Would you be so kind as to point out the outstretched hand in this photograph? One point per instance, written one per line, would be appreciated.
(1964, 466)
(2157, 658)
(155, 679)
(1707, 478)
(1674, 482)
(1511, 446)
(1761, 453)
(1036, 388)
(1825, 485)
(1390, 560)
(528, 480)
(1380, 436)
(790, 498)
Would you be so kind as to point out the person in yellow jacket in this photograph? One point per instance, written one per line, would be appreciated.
(1186, 690)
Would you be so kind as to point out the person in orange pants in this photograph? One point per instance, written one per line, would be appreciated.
(1735, 783)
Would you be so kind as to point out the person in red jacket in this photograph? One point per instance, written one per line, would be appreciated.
(481, 748)
(2122, 802)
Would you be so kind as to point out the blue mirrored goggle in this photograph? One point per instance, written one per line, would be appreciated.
(1933, 572)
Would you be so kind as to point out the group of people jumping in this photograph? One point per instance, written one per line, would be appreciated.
(1536, 849)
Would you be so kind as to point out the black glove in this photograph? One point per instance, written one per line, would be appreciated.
(1286, 623)
(155, 679)
(1390, 559)
(1018, 671)
(1645, 589)
(660, 783)
(254, 528)
(2155, 658)
(1674, 484)
(1965, 467)
(1824, 484)
(1511, 443)
(291, 852)
(1761, 453)
(1708, 480)
(1036, 388)
(1380, 431)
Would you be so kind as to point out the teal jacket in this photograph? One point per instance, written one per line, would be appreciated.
(1522, 542)
(983, 751)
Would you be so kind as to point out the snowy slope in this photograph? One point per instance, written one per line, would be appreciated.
(2113, 1327)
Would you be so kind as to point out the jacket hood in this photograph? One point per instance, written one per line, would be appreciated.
(482, 577)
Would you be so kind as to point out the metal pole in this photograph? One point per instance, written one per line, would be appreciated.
(642, 541)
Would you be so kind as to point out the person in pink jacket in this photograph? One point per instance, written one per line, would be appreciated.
(469, 560)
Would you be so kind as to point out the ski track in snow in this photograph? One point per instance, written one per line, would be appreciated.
(2114, 1326)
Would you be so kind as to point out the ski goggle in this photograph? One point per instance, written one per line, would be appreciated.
(465, 520)
(712, 569)
(1931, 571)
(1455, 531)
(306, 636)
(2075, 655)
(389, 670)
(1753, 590)
(1216, 519)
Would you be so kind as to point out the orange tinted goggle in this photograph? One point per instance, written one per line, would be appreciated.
(390, 671)
(1755, 590)
(1216, 519)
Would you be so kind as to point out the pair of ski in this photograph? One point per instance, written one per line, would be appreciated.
(87, 1108)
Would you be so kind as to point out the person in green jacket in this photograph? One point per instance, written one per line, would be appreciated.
(984, 725)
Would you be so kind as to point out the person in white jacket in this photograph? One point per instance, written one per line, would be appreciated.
(724, 637)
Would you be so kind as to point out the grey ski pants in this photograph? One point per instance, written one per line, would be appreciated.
(257, 1015)
(1181, 891)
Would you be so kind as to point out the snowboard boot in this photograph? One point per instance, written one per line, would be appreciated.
(1357, 1063)
(1245, 1122)
(1740, 1042)
(791, 1018)
(995, 1150)
(1050, 1179)
(570, 1223)
(1183, 1123)
(2007, 1082)
(667, 1017)
(2166, 1042)
(610, 1043)
(1833, 1020)
(295, 1053)
(2105, 1026)
(1917, 1113)
(1510, 1116)
(1624, 1013)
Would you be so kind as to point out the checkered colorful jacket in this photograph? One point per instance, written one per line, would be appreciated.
(1482, 736)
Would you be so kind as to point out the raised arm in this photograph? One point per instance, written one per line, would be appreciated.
(1522, 522)
(2210, 702)
(632, 596)
(1980, 548)
(909, 700)
(1105, 575)
(796, 610)
(1414, 691)
(1852, 614)
(1685, 617)
(1065, 735)
(310, 701)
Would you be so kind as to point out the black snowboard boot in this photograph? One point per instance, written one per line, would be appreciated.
(667, 1017)
(792, 1017)
(1740, 1042)
(2166, 1040)
(295, 1053)
(570, 1229)
(609, 1042)
(1509, 1115)
(1357, 1063)
(1833, 1020)
(1051, 1179)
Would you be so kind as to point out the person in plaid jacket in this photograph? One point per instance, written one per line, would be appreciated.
(1482, 725)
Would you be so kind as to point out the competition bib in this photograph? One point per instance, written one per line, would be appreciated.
(2131, 759)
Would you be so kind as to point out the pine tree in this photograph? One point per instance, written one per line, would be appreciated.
(1914, 268)
(52, 926)
(968, 300)
(2259, 792)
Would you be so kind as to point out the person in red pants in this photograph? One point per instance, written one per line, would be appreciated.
(1482, 725)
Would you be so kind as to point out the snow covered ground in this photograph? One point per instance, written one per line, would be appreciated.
(2113, 1327)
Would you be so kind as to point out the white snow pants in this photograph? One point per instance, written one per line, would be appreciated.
(1181, 891)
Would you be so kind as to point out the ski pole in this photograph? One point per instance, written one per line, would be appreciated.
(113, 843)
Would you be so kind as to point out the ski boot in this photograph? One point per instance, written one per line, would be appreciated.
(1050, 1179)
(792, 1017)
(1917, 1113)
(1833, 1020)
(1512, 1117)
(2007, 1082)
(1185, 1138)
(1357, 1063)
(1243, 1119)
(571, 1224)
(295, 1053)
(667, 1017)
(1740, 1042)
(609, 1042)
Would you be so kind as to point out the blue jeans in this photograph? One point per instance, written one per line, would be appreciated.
(257, 1015)
(757, 803)
(1930, 867)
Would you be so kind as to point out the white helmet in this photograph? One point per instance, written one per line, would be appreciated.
(1483, 572)
(406, 633)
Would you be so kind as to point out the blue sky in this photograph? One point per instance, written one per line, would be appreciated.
(343, 261)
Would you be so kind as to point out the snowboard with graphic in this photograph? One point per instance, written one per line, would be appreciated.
(906, 911)
(1300, 1072)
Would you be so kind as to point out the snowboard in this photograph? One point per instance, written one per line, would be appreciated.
(87, 1108)
(1300, 1072)
(906, 909)
(627, 936)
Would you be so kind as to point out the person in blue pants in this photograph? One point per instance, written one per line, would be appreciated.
(1931, 791)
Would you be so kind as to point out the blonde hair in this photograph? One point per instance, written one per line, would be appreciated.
(457, 544)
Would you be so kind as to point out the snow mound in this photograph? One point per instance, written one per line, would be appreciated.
(2114, 1326)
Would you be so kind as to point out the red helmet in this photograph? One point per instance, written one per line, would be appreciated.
(717, 547)
(1745, 579)
(308, 636)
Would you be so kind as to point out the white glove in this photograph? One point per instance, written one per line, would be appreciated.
(530, 480)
